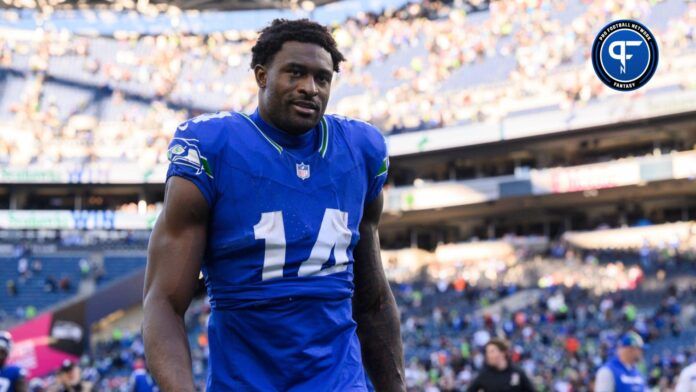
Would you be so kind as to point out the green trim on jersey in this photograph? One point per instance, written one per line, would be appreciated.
(384, 168)
(274, 144)
(324, 137)
(206, 167)
(323, 146)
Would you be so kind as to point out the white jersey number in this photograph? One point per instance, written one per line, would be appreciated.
(333, 234)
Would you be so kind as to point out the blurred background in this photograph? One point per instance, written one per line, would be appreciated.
(525, 199)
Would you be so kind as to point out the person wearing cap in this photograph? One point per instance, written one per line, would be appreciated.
(12, 378)
(620, 374)
(498, 374)
(69, 379)
(687, 379)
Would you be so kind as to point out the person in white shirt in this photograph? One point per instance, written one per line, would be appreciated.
(687, 379)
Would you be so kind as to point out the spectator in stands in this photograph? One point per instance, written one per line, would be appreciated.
(65, 283)
(99, 272)
(11, 287)
(23, 267)
(85, 267)
(69, 379)
(50, 284)
(36, 266)
(498, 373)
(30, 312)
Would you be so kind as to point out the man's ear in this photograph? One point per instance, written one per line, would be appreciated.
(261, 75)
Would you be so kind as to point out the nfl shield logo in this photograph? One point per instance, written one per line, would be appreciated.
(302, 170)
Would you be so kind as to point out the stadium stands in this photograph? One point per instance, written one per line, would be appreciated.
(559, 334)
(483, 59)
(680, 236)
(32, 287)
(58, 278)
(562, 305)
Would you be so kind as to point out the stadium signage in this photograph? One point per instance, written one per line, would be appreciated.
(76, 220)
(624, 172)
(66, 330)
(90, 174)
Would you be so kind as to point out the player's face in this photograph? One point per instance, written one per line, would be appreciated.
(295, 86)
(3, 357)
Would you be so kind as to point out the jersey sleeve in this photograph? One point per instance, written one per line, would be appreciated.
(604, 382)
(193, 154)
(377, 161)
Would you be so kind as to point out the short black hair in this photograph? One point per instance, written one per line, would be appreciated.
(280, 31)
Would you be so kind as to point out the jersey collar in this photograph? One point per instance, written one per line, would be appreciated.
(267, 130)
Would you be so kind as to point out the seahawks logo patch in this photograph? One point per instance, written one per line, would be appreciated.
(185, 152)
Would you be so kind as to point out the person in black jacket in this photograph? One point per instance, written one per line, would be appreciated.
(498, 375)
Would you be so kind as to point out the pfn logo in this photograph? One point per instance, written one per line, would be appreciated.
(621, 55)
(624, 55)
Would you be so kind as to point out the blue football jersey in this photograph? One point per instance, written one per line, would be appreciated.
(278, 266)
(9, 375)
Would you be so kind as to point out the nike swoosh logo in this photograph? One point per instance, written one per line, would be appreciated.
(183, 126)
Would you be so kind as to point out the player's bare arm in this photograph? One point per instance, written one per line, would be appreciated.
(175, 252)
(374, 308)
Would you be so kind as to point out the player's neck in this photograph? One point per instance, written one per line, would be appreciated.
(305, 141)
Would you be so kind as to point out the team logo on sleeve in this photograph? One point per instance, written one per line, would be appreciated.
(302, 170)
(185, 152)
(624, 55)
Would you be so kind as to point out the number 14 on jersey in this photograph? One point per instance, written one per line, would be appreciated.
(333, 234)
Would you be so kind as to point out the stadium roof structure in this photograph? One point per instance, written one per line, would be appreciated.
(220, 5)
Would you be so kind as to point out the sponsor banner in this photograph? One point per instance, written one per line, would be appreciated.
(37, 349)
(79, 220)
(444, 194)
(586, 177)
(95, 174)
(25, 175)
(631, 171)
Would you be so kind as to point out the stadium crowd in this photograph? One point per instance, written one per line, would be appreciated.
(559, 334)
(426, 65)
